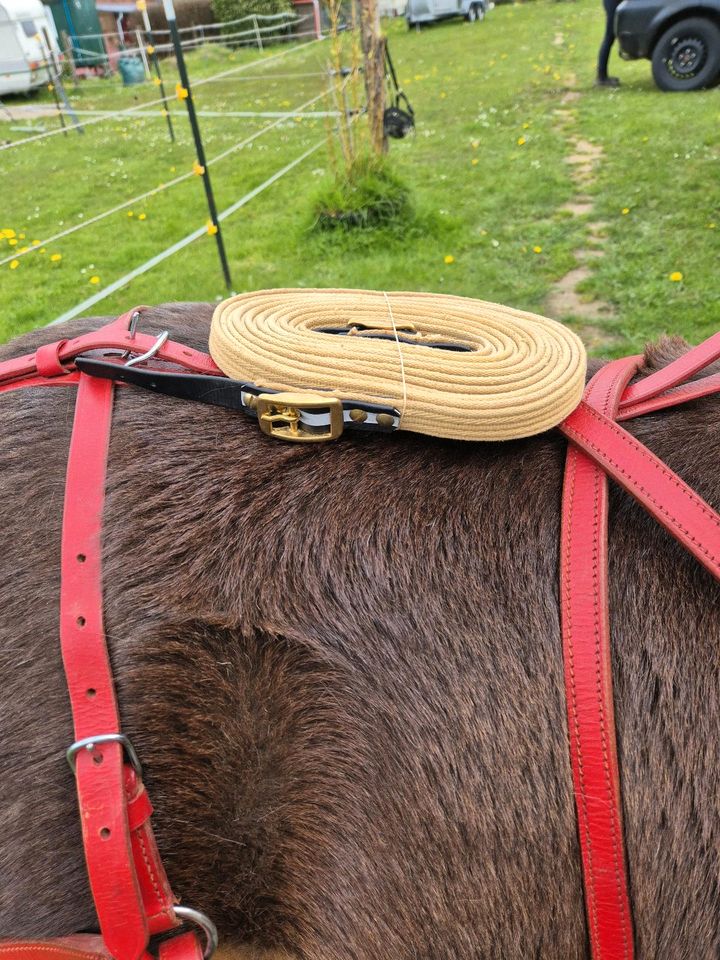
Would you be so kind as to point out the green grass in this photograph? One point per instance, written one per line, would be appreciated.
(477, 90)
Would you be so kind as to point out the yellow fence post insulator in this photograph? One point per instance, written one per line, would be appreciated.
(198, 169)
(181, 91)
(150, 49)
(140, 5)
(497, 373)
(211, 228)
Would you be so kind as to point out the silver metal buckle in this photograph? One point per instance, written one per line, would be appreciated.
(206, 925)
(89, 744)
(151, 352)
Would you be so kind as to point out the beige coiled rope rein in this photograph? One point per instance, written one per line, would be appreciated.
(510, 374)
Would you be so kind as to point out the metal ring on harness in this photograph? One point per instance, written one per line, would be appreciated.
(205, 924)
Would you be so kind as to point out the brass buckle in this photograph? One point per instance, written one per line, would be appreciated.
(279, 415)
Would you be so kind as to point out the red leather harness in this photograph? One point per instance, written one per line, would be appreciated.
(131, 892)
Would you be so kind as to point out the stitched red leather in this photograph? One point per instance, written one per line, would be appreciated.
(100, 772)
(131, 892)
(674, 373)
(81, 947)
(694, 390)
(129, 885)
(663, 494)
(114, 336)
(588, 684)
(600, 447)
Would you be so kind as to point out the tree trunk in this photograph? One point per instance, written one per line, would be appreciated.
(373, 46)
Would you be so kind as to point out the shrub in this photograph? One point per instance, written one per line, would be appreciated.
(367, 195)
(189, 13)
(234, 9)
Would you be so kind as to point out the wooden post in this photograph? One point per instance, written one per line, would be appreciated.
(373, 47)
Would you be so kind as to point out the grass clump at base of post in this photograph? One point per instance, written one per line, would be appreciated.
(366, 195)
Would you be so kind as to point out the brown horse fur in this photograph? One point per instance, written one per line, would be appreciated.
(341, 667)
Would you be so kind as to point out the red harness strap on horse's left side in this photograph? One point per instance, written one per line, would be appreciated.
(132, 895)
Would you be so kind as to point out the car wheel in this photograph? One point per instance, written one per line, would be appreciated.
(687, 56)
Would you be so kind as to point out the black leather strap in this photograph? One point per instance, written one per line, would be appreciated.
(233, 394)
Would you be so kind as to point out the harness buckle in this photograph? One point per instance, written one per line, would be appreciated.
(300, 417)
(89, 743)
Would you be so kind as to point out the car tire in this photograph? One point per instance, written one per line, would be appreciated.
(687, 56)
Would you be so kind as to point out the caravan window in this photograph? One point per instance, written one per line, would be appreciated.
(29, 27)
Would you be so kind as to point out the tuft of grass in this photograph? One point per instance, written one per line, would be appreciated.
(367, 196)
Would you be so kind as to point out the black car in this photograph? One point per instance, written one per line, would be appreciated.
(680, 37)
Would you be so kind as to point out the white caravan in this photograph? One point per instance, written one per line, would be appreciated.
(22, 45)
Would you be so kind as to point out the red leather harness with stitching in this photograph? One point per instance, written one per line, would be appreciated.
(131, 892)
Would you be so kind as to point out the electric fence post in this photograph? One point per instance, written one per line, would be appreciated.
(141, 6)
(184, 92)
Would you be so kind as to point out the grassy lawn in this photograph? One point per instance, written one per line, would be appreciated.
(500, 106)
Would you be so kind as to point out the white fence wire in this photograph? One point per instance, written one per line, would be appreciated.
(129, 111)
(181, 244)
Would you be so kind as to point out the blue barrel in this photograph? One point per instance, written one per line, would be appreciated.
(131, 70)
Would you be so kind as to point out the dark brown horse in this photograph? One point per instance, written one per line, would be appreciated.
(341, 666)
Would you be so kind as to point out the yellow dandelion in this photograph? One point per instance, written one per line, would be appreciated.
(625, 211)
(14, 264)
(142, 216)
(449, 258)
(131, 213)
(711, 225)
(475, 144)
(211, 228)
(172, 169)
(94, 279)
(24, 249)
(12, 241)
(526, 126)
(675, 276)
(43, 249)
(56, 257)
(474, 161)
(8, 233)
(36, 243)
(21, 236)
(537, 249)
(521, 141)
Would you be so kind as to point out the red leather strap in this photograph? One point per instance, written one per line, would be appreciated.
(599, 447)
(184, 947)
(69, 380)
(129, 885)
(81, 947)
(663, 494)
(588, 684)
(47, 359)
(679, 371)
(100, 772)
(694, 390)
(114, 336)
